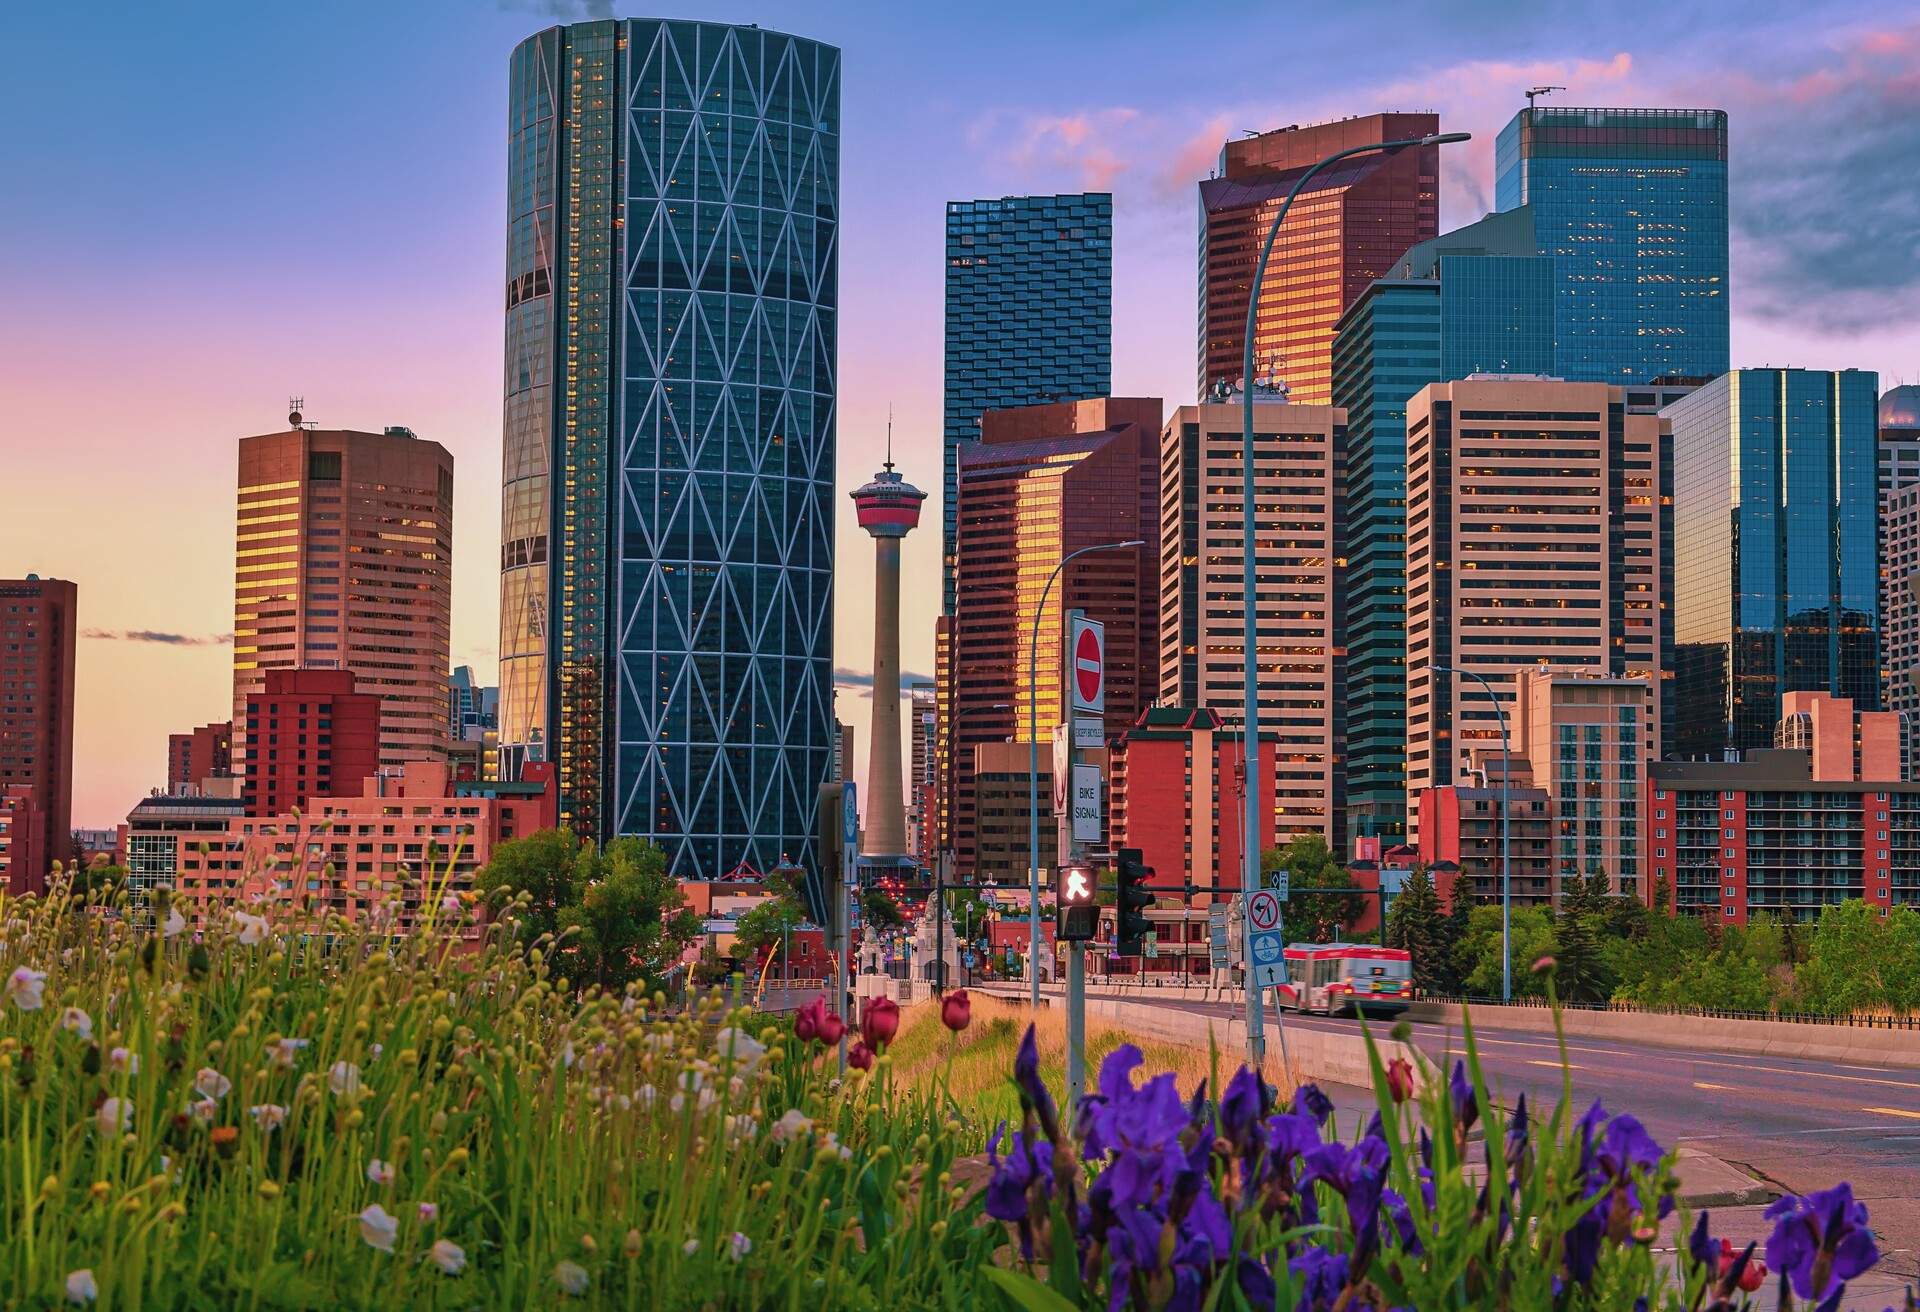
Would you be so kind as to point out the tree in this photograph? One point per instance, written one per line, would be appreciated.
(1456, 928)
(1847, 963)
(764, 926)
(1323, 899)
(1414, 923)
(880, 910)
(1481, 958)
(544, 866)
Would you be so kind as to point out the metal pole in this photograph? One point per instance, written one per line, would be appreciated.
(840, 966)
(1250, 843)
(1033, 768)
(1506, 861)
(1076, 1025)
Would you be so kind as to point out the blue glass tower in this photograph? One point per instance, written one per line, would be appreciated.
(667, 558)
(1631, 204)
(1776, 578)
(1029, 317)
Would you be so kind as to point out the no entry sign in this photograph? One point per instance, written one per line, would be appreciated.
(1087, 661)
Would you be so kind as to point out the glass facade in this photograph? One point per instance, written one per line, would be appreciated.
(1631, 204)
(1029, 317)
(1776, 585)
(1388, 348)
(666, 588)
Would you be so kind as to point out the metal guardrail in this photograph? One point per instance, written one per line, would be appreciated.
(1849, 1020)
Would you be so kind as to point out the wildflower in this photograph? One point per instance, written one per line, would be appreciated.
(253, 929)
(379, 1227)
(879, 1022)
(115, 1116)
(344, 1078)
(175, 923)
(793, 1125)
(691, 1247)
(202, 1109)
(571, 1277)
(1400, 1079)
(1323, 1275)
(211, 1084)
(76, 1021)
(285, 1052)
(832, 1028)
(268, 1116)
(1027, 1161)
(429, 1213)
(806, 1021)
(740, 1128)
(1466, 1103)
(1740, 1269)
(745, 1050)
(25, 986)
(1033, 1090)
(448, 1256)
(860, 1056)
(956, 1010)
(81, 1288)
(1147, 1120)
(380, 1172)
(1820, 1240)
(646, 1095)
(1544, 964)
(739, 1245)
(1310, 1099)
(450, 904)
(123, 1062)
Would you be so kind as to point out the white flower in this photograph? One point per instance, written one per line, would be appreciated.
(791, 1126)
(378, 1228)
(740, 1245)
(211, 1084)
(691, 1247)
(73, 1018)
(175, 923)
(566, 1055)
(80, 1287)
(202, 1109)
(268, 1116)
(428, 1213)
(376, 1050)
(285, 1052)
(740, 1128)
(745, 1050)
(380, 1172)
(450, 904)
(253, 928)
(571, 1277)
(448, 1256)
(115, 1116)
(677, 1103)
(647, 1096)
(25, 986)
(344, 1078)
(832, 1141)
(123, 1061)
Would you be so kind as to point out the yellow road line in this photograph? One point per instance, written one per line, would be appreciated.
(1892, 1111)
(1554, 1064)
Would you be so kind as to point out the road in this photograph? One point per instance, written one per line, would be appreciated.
(1797, 1125)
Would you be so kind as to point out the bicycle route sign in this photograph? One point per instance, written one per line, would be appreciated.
(1266, 946)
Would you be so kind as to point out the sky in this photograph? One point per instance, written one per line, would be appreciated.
(211, 207)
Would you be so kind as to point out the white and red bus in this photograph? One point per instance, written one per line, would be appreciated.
(1337, 979)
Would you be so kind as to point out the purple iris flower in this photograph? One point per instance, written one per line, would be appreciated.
(1309, 1099)
(1120, 1117)
(1242, 1106)
(1466, 1103)
(1256, 1282)
(1322, 1274)
(1517, 1131)
(1013, 1175)
(1582, 1242)
(1820, 1240)
(1402, 1218)
(1033, 1090)
(1290, 1135)
(1358, 1174)
(1701, 1246)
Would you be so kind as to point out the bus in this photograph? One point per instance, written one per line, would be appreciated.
(1339, 979)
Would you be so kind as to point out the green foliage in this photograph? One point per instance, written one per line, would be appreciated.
(1479, 953)
(1415, 924)
(763, 927)
(1323, 899)
(1583, 973)
(880, 910)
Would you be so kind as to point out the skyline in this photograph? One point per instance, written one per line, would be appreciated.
(310, 241)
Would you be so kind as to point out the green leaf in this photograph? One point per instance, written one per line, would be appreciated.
(1027, 1292)
(1064, 1276)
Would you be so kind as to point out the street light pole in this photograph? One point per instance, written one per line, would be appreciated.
(1250, 841)
(1033, 767)
(1506, 864)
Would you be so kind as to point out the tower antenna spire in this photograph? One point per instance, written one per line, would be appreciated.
(888, 465)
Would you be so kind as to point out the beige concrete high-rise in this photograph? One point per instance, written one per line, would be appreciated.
(344, 545)
(1539, 532)
(889, 509)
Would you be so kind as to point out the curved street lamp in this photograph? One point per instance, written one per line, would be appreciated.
(1250, 840)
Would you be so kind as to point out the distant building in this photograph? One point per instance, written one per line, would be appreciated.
(999, 781)
(472, 708)
(1777, 572)
(1201, 586)
(1178, 793)
(1029, 317)
(1899, 462)
(312, 736)
(344, 543)
(1631, 206)
(1536, 535)
(1347, 229)
(842, 751)
(199, 754)
(1900, 601)
(1829, 814)
(38, 628)
(923, 736)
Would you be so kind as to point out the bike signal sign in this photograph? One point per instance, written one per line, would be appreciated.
(1087, 661)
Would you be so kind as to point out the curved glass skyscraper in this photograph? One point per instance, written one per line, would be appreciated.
(666, 626)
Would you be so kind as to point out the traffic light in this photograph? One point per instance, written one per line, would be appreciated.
(1076, 910)
(1133, 900)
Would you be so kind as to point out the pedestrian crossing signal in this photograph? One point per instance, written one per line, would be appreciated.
(1076, 910)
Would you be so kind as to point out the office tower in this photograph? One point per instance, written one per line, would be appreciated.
(37, 632)
(1347, 229)
(1900, 601)
(1044, 481)
(199, 754)
(666, 603)
(842, 752)
(471, 707)
(1899, 437)
(923, 737)
(888, 508)
(1535, 535)
(310, 734)
(1202, 611)
(1631, 204)
(1793, 827)
(1178, 792)
(344, 561)
(1029, 316)
(1777, 556)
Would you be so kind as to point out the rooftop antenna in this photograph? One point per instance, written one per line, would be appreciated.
(1540, 91)
(888, 466)
(295, 404)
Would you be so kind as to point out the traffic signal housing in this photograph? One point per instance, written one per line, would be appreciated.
(1132, 901)
(1076, 909)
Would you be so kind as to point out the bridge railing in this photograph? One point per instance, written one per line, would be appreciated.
(1853, 1020)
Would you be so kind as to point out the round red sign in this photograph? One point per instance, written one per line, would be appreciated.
(1087, 666)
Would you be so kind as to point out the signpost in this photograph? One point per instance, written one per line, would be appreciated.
(1266, 945)
(849, 895)
(1085, 666)
(1087, 661)
(1217, 944)
(1086, 804)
